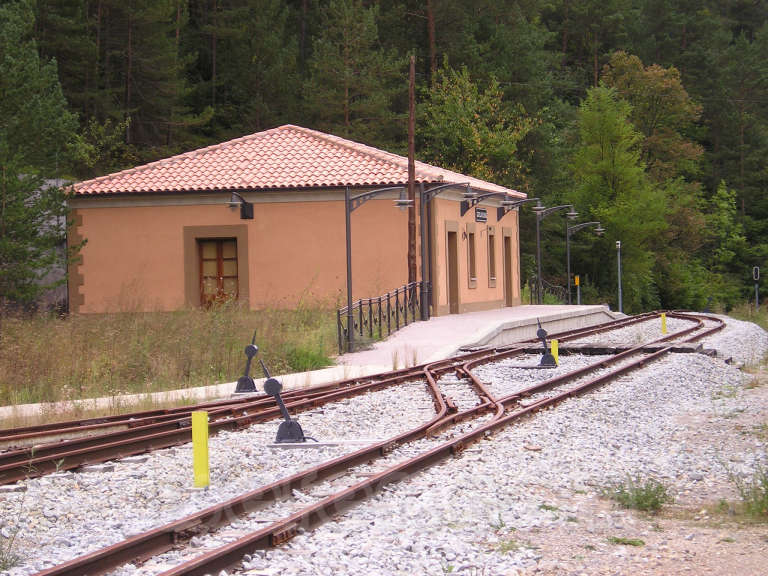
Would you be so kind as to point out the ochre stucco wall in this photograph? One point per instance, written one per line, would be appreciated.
(482, 293)
(134, 258)
(134, 255)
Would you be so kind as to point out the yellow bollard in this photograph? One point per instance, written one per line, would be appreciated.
(553, 347)
(200, 449)
(663, 323)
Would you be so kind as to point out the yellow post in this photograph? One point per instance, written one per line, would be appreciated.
(553, 346)
(663, 323)
(200, 449)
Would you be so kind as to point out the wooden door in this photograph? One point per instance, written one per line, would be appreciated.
(453, 272)
(509, 294)
(218, 270)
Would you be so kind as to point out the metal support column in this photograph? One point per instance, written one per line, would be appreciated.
(539, 287)
(568, 258)
(424, 297)
(618, 260)
(347, 215)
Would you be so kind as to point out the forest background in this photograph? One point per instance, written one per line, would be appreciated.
(650, 116)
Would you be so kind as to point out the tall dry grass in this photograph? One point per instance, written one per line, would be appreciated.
(746, 311)
(45, 358)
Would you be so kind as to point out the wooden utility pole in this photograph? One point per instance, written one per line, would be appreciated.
(412, 173)
(432, 42)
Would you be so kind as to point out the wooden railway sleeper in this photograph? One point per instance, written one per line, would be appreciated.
(283, 535)
(457, 448)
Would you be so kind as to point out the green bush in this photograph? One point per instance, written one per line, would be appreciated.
(648, 495)
(626, 541)
(301, 359)
(754, 494)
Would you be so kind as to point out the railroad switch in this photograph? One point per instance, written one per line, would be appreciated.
(289, 430)
(547, 359)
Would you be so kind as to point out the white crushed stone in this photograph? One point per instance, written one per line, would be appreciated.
(508, 376)
(447, 518)
(744, 342)
(636, 334)
(460, 390)
(65, 515)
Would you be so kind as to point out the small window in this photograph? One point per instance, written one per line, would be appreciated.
(472, 259)
(491, 256)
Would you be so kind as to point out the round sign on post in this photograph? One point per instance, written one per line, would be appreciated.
(756, 273)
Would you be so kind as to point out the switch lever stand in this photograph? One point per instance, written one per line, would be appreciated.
(547, 360)
(289, 430)
(245, 384)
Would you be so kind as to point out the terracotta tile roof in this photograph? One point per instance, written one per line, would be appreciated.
(289, 157)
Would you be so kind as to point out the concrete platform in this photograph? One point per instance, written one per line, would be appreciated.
(442, 336)
(417, 343)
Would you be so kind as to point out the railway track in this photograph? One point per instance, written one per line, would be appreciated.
(466, 411)
(41, 450)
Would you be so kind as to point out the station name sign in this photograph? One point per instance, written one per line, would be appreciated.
(481, 215)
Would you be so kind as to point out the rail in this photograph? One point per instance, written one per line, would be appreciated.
(507, 409)
(379, 317)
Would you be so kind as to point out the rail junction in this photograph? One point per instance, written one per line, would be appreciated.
(466, 410)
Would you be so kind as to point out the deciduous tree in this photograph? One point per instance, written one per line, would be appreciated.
(662, 111)
(472, 129)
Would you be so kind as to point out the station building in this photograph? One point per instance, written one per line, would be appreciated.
(175, 233)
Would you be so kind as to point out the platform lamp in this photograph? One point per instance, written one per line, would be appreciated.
(542, 213)
(352, 203)
(599, 230)
(246, 208)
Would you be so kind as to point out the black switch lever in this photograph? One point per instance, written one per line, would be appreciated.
(289, 430)
(547, 360)
(245, 383)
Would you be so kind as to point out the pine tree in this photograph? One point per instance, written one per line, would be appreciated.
(36, 139)
(352, 80)
(257, 82)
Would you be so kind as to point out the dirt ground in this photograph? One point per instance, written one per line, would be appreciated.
(702, 532)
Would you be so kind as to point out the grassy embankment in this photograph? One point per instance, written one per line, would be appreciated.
(44, 358)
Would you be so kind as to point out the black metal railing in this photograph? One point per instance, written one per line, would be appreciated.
(379, 317)
(559, 293)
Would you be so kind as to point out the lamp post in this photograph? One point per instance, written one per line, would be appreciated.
(542, 213)
(351, 203)
(618, 260)
(570, 230)
(756, 278)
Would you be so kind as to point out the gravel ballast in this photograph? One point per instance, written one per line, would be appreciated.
(479, 513)
(68, 514)
(467, 515)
